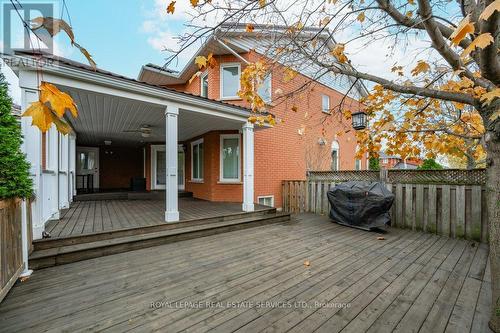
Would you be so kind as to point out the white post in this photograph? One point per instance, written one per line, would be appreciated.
(248, 169)
(171, 186)
(32, 147)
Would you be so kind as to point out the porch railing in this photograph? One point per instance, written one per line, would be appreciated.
(444, 202)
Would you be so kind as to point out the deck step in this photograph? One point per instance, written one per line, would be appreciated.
(43, 244)
(72, 253)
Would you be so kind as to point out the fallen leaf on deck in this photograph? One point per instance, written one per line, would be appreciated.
(307, 263)
(380, 238)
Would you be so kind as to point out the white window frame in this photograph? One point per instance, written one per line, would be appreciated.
(202, 76)
(154, 163)
(225, 65)
(336, 147)
(194, 143)
(270, 88)
(322, 108)
(221, 156)
(265, 197)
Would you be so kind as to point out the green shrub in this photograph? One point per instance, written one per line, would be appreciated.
(14, 169)
(430, 164)
(374, 164)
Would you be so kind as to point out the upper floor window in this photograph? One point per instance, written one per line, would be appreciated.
(264, 90)
(204, 85)
(230, 81)
(325, 103)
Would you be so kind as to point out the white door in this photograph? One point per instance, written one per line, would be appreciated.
(158, 166)
(87, 168)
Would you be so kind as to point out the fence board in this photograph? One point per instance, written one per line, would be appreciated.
(474, 232)
(419, 207)
(460, 212)
(445, 210)
(409, 221)
(399, 205)
(432, 211)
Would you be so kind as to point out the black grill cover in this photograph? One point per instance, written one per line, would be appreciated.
(363, 205)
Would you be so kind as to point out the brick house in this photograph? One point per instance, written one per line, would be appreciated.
(304, 140)
(396, 162)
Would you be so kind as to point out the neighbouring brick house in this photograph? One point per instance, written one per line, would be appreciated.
(304, 140)
(396, 162)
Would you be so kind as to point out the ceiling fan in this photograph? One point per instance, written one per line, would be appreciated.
(145, 131)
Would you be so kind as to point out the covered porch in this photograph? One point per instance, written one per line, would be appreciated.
(135, 136)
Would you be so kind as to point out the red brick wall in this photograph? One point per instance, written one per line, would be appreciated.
(117, 165)
(280, 152)
(211, 188)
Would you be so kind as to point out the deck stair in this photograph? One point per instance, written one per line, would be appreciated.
(64, 250)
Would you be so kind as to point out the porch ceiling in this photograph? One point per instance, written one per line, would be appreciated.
(105, 117)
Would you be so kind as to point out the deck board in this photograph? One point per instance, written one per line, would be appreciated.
(409, 277)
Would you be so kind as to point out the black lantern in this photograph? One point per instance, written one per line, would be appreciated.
(359, 120)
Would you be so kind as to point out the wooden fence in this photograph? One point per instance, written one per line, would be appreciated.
(456, 210)
(11, 255)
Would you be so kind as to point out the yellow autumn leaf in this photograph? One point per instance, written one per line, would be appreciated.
(480, 41)
(249, 27)
(211, 60)
(87, 55)
(194, 3)
(338, 53)
(59, 101)
(464, 28)
(361, 17)
(40, 114)
(422, 67)
(289, 75)
(171, 7)
(488, 97)
(489, 10)
(262, 3)
(201, 61)
(411, 2)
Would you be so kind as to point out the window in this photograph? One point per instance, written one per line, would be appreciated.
(385, 160)
(335, 156)
(230, 157)
(267, 200)
(204, 85)
(357, 164)
(230, 81)
(197, 160)
(264, 90)
(325, 103)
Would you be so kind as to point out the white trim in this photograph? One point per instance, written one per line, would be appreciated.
(328, 109)
(221, 156)
(202, 76)
(183, 167)
(248, 167)
(154, 163)
(336, 147)
(265, 197)
(221, 85)
(71, 76)
(194, 143)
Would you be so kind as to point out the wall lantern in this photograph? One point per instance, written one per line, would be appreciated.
(359, 120)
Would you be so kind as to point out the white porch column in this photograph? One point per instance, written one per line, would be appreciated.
(171, 185)
(32, 147)
(248, 157)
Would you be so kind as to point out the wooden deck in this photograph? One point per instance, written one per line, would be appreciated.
(87, 217)
(256, 280)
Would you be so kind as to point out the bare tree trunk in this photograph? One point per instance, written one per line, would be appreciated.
(493, 191)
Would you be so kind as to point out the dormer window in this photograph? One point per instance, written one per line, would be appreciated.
(230, 81)
(204, 85)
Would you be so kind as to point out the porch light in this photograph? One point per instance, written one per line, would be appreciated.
(359, 120)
